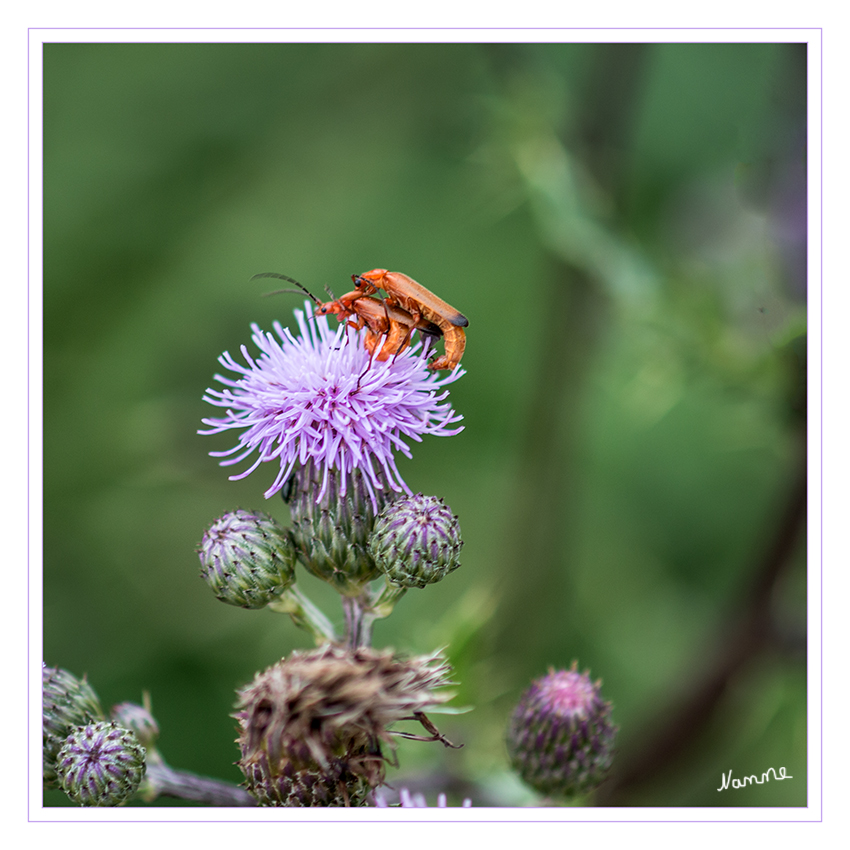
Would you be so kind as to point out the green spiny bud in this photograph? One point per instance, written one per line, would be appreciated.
(66, 702)
(139, 720)
(247, 559)
(101, 764)
(416, 541)
(332, 535)
(560, 738)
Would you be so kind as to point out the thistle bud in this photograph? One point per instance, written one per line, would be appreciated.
(138, 720)
(332, 535)
(247, 559)
(66, 702)
(101, 764)
(313, 725)
(416, 541)
(560, 738)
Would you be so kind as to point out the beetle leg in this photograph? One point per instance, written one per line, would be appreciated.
(370, 335)
(404, 343)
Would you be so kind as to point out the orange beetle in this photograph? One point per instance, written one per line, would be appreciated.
(404, 292)
(380, 318)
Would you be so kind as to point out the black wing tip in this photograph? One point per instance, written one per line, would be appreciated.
(430, 329)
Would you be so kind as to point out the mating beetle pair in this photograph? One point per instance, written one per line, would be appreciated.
(407, 306)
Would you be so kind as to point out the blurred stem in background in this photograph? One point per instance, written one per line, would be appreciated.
(589, 263)
(584, 256)
(748, 630)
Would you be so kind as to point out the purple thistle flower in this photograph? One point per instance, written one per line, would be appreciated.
(315, 397)
(413, 801)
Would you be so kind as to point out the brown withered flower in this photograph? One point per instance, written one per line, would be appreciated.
(315, 727)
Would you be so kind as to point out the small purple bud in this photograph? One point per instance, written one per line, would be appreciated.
(560, 738)
(139, 720)
(101, 764)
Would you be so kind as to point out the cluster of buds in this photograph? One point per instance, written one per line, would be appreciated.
(248, 559)
(67, 702)
(94, 761)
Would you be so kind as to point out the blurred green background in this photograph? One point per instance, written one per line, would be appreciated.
(623, 225)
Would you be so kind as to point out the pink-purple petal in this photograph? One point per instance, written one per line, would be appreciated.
(317, 397)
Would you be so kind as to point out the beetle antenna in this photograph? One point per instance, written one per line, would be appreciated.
(281, 291)
(300, 286)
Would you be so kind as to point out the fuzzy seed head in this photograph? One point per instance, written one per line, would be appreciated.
(416, 541)
(560, 737)
(101, 764)
(247, 559)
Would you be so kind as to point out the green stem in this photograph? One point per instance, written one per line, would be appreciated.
(358, 623)
(362, 611)
(305, 615)
(382, 606)
(163, 781)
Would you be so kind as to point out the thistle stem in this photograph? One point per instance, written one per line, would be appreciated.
(384, 602)
(305, 615)
(358, 622)
(163, 781)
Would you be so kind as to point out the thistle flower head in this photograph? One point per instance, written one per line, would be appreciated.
(313, 725)
(560, 738)
(101, 764)
(318, 397)
(66, 702)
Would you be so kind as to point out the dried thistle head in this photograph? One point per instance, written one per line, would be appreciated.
(313, 727)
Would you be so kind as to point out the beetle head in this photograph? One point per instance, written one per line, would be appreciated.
(369, 282)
